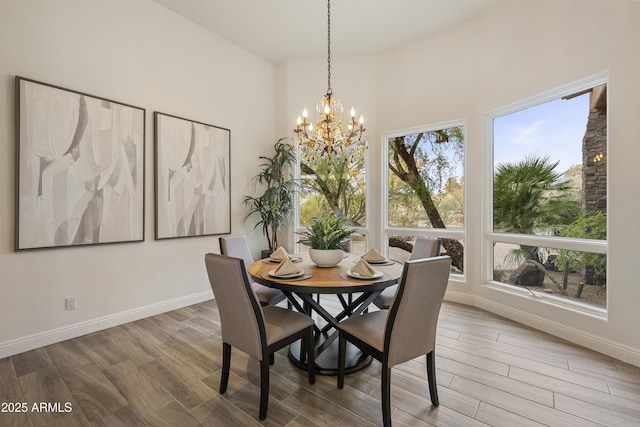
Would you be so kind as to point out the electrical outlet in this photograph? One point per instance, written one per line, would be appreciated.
(71, 303)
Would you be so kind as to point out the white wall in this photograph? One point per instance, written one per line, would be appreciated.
(139, 53)
(511, 52)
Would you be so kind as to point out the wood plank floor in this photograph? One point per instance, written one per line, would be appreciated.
(165, 371)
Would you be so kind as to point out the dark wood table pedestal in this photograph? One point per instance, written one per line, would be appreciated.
(305, 295)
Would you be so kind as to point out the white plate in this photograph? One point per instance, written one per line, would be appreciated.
(286, 276)
(355, 275)
(278, 261)
(372, 262)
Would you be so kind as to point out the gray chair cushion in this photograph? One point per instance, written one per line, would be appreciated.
(369, 328)
(385, 299)
(265, 294)
(280, 323)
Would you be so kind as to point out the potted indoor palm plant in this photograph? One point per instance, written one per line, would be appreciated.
(275, 206)
(327, 237)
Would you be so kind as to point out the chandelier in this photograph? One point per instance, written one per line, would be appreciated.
(329, 136)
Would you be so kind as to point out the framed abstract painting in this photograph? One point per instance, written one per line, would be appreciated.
(79, 166)
(193, 194)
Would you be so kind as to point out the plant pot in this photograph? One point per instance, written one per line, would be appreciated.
(326, 257)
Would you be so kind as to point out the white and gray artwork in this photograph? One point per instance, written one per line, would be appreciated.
(80, 171)
(192, 178)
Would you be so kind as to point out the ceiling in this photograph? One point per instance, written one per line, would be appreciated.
(277, 30)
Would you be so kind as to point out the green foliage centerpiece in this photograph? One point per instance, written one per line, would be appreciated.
(326, 237)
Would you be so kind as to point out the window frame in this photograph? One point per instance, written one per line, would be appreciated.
(444, 233)
(568, 243)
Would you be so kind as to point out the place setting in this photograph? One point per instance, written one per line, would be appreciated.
(286, 270)
(363, 271)
(374, 257)
(280, 255)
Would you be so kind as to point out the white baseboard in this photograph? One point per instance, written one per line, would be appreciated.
(460, 298)
(30, 342)
(597, 343)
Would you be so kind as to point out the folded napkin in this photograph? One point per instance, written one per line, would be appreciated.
(363, 269)
(374, 256)
(280, 254)
(286, 268)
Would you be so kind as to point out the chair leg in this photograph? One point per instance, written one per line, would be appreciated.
(226, 366)
(264, 388)
(386, 395)
(342, 354)
(431, 373)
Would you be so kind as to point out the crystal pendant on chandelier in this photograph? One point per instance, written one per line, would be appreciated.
(329, 136)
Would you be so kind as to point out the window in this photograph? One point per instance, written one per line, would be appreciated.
(425, 190)
(335, 184)
(549, 217)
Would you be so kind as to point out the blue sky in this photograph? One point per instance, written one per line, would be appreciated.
(553, 129)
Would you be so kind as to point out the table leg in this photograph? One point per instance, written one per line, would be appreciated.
(326, 345)
(362, 303)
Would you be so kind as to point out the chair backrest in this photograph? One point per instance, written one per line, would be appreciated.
(413, 318)
(237, 247)
(241, 317)
(425, 247)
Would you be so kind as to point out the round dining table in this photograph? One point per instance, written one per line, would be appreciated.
(305, 294)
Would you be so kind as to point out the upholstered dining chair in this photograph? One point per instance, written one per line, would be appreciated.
(424, 247)
(256, 330)
(237, 246)
(403, 332)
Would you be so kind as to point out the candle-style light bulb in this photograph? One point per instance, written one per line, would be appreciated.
(299, 121)
(327, 110)
(304, 113)
(353, 112)
(361, 121)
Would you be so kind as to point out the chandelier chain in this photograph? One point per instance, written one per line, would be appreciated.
(329, 47)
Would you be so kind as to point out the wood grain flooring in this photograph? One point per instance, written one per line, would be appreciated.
(165, 371)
